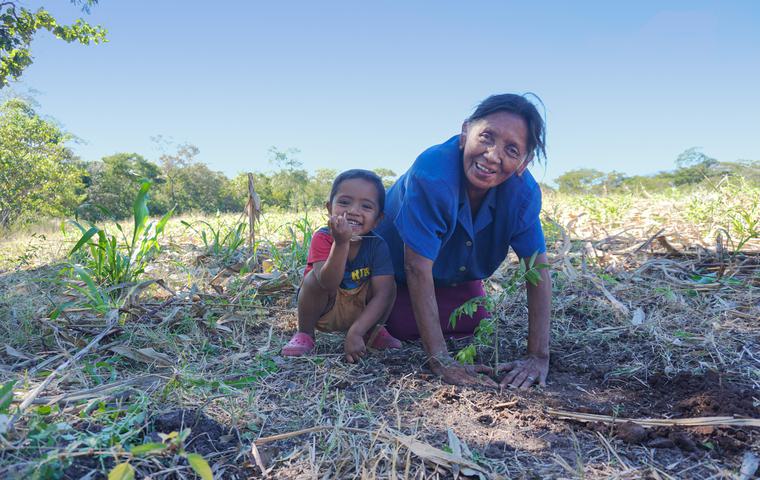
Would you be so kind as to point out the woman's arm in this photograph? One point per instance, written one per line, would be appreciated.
(419, 279)
(535, 367)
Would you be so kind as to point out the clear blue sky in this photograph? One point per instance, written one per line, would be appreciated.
(627, 85)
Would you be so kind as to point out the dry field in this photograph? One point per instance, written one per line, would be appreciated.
(655, 368)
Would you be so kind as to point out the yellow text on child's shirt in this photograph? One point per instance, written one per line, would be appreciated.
(359, 273)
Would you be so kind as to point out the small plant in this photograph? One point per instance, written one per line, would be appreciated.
(294, 255)
(95, 298)
(170, 443)
(606, 211)
(745, 223)
(110, 262)
(6, 399)
(486, 333)
(221, 242)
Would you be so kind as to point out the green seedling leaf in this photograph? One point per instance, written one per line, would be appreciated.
(703, 279)
(59, 309)
(122, 471)
(200, 465)
(147, 448)
(44, 409)
(140, 208)
(6, 395)
(85, 238)
(466, 355)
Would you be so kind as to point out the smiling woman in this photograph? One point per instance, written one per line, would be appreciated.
(449, 223)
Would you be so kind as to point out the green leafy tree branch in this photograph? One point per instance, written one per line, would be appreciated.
(19, 25)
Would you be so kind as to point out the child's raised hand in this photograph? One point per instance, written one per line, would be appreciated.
(340, 229)
(354, 346)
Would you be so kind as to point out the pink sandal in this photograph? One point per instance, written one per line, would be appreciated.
(300, 344)
(383, 340)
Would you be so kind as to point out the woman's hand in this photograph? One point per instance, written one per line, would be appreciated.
(454, 373)
(340, 229)
(354, 347)
(524, 373)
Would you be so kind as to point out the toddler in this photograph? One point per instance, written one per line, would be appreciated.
(348, 285)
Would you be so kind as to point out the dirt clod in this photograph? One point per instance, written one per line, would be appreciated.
(631, 433)
(661, 443)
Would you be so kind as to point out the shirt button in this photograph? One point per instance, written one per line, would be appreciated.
(462, 268)
(468, 243)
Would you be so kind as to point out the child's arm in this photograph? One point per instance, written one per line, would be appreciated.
(329, 273)
(383, 296)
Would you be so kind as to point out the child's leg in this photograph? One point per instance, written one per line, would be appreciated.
(313, 302)
(378, 337)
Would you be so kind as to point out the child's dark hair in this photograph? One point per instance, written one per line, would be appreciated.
(367, 175)
(519, 105)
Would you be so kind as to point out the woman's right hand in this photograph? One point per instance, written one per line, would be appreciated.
(454, 373)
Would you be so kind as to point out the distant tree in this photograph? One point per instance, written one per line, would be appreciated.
(114, 182)
(285, 159)
(612, 181)
(692, 156)
(320, 185)
(39, 175)
(387, 175)
(582, 180)
(235, 192)
(18, 25)
(693, 167)
(173, 164)
(197, 187)
(288, 185)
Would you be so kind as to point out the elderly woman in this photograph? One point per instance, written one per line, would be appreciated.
(449, 223)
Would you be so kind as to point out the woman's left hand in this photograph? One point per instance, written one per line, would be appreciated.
(524, 373)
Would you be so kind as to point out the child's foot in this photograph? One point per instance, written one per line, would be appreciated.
(383, 340)
(300, 344)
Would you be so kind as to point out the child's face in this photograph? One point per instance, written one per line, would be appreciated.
(356, 198)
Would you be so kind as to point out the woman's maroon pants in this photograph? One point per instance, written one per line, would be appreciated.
(401, 323)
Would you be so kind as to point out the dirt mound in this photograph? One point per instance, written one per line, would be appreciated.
(206, 435)
(708, 395)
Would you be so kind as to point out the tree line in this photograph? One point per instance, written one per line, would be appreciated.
(41, 177)
(693, 168)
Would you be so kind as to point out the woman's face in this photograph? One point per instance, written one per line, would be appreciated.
(494, 147)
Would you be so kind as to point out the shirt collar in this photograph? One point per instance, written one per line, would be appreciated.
(485, 213)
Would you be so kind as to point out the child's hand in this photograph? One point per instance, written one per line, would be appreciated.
(354, 346)
(340, 229)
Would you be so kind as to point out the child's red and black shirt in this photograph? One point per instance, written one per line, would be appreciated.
(372, 259)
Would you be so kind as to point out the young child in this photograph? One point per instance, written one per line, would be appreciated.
(348, 285)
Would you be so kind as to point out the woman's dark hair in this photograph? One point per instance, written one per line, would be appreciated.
(519, 105)
(367, 175)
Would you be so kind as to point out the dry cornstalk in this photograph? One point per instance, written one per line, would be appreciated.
(254, 210)
(659, 422)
